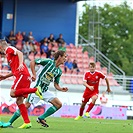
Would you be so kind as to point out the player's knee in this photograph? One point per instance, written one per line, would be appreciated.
(27, 105)
(19, 101)
(12, 94)
(59, 105)
(94, 98)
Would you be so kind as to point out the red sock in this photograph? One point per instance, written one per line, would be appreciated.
(81, 111)
(24, 113)
(90, 107)
(22, 92)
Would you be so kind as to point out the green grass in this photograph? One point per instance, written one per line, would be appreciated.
(69, 125)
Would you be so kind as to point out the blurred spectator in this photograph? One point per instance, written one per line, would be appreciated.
(51, 56)
(103, 99)
(26, 49)
(45, 39)
(19, 37)
(33, 48)
(50, 51)
(75, 67)
(60, 40)
(30, 37)
(51, 39)
(25, 37)
(12, 38)
(44, 46)
(68, 66)
(62, 47)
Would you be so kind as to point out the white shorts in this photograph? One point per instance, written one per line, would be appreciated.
(34, 99)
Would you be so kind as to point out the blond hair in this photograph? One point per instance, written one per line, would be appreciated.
(3, 43)
(92, 64)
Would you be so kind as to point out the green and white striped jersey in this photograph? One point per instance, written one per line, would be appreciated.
(47, 73)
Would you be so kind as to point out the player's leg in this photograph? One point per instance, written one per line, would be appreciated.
(91, 105)
(51, 110)
(49, 97)
(22, 83)
(15, 116)
(25, 91)
(81, 110)
(85, 99)
(24, 113)
(32, 99)
(1, 123)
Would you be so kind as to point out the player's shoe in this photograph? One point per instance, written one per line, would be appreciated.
(1, 124)
(42, 122)
(39, 92)
(78, 118)
(25, 126)
(7, 124)
(87, 115)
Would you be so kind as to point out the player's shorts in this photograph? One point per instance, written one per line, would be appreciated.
(22, 82)
(33, 99)
(87, 96)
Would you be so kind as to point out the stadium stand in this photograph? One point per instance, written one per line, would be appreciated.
(73, 52)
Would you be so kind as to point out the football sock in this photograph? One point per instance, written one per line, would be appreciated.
(24, 113)
(81, 111)
(49, 112)
(22, 92)
(15, 116)
(90, 107)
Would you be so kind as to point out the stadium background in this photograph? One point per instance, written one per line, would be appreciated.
(43, 17)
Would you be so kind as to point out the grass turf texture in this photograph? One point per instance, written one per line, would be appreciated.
(69, 125)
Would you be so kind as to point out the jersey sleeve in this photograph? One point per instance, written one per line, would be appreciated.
(85, 77)
(11, 50)
(41, 61)
(57, 78)
(102, 75)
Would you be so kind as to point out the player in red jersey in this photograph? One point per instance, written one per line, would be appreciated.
(21, 87)
(91, 82)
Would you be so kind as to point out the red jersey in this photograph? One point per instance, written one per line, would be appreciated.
(92, 79)
(13, 61)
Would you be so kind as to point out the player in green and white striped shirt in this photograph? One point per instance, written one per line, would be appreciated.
(48, 72)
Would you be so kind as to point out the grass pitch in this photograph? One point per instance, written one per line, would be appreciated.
(69, 125)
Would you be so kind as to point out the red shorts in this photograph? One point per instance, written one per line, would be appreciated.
(22, 82)
(87, 96)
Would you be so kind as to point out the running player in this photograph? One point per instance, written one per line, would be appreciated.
(49, 70)
(91, 82)
(21, 87)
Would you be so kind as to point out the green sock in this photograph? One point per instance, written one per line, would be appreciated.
(15, 116)
(49, 112)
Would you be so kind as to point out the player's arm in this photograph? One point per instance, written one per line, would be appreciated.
(32, 67)
(88, 86)
(2, 77)
(64, 89)
(108, 86)
(35, 62)
(20, 57)
(56, 84)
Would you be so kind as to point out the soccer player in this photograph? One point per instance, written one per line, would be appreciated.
(49, 70)
(91, 82)
(21, 87)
